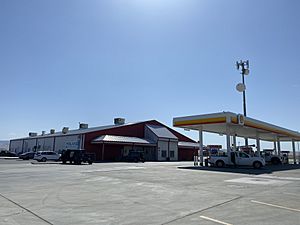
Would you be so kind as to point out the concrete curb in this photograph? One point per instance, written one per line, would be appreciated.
(6, 157)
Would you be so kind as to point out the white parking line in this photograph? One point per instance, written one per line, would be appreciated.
(277, 206)
(214, 220)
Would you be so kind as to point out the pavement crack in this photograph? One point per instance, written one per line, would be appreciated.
(202, 210)
(28, 210)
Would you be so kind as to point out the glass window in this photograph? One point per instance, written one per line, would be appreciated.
(163, 153)
(243, 155)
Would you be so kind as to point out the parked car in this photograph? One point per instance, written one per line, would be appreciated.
(27, 155)
(134, 156)
(77, 156)
(44, 156)
(237, 158)
(7, 153)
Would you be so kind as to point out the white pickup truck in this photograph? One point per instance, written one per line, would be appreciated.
(237, 158)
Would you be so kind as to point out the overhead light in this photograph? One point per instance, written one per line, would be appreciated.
(240, 87)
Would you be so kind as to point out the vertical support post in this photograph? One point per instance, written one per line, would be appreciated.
(201, 146)
(234, 142)
(278, 147)
(53, 146)
(36, 145)
(275, 148)
(22, 146)
(244, 101)
(169, 158)
(257, 144)
(294, 151)
(228, 143)
(102, 155)
(82, 141)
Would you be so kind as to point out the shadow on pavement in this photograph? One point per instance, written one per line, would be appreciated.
(245, 170)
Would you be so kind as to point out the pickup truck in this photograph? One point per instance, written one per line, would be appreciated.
(237, 158)
(271, 157)
(76, 156)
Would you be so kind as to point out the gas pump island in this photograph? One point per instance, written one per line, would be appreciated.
(236, 125)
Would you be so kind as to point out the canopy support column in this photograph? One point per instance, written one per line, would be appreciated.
(228, 142)
(257, 144)
(234, 142)
(278, 147)
(201, 146)
(275, 148)
(294, 151)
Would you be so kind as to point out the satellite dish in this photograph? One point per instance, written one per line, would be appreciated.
(240, 87)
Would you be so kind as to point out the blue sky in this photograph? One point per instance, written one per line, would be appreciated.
(64, 62)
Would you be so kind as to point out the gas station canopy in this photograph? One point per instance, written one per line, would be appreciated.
(236, 124)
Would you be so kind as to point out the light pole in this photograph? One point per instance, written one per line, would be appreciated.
(243, 66)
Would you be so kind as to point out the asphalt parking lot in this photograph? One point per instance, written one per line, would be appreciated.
(146, 193)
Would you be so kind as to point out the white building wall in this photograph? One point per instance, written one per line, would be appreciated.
(29, 145)
(174, 147)
(16, 146)
(67, 142)
(45, 144)
(162, 148)
(165, 149)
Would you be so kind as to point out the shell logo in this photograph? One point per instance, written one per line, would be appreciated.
(241, 119)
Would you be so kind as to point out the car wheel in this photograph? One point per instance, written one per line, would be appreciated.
(257, 165)
(220, 163)
(44, 159)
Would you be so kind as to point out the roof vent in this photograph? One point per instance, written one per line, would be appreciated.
(119, 121)
(52, 131)
(32, 134)
(65, 130)
(83, 126)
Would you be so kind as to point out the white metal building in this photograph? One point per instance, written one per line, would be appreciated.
(110, 143)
